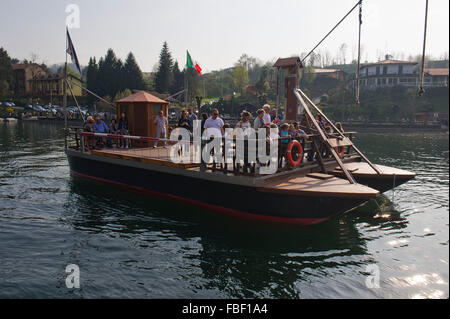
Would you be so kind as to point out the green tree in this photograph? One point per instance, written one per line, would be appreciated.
(6, 74)
(110, 75)
(91, 82)
(195, 87)
(178, 79)
(240, 77)
(123, 94)
(134, 79)
(163, 77)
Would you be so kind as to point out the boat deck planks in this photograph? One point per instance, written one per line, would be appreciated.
(158, 156)
(335, 187)
(364, 169)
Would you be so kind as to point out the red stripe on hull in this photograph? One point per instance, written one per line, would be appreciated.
(210, 207)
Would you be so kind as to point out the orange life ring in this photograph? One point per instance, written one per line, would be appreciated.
(291, 145)
(341, 152)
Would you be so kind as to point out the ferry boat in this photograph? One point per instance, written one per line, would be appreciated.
(303, 192)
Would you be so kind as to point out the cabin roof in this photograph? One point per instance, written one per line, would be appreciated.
(285, 62)
(142, 96)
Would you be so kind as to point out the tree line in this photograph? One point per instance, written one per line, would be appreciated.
(110, 76)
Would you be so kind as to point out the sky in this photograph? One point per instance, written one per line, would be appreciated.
(217, 33)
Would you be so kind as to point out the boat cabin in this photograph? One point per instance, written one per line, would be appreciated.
(142, 108)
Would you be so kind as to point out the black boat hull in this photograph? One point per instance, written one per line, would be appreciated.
(243, 201)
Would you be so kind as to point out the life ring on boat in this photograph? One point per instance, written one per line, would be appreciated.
(340, 152)
(294, 144)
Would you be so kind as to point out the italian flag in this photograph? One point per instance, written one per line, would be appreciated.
(191, 64)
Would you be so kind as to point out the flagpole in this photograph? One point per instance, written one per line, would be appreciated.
(186, 86)
(65, 95)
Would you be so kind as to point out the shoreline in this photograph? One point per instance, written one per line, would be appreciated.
(362, 127)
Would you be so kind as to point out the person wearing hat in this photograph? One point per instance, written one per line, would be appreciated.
(88, 127)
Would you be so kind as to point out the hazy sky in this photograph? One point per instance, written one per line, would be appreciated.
(216, 33)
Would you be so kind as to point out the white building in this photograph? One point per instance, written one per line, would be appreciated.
(389, 73)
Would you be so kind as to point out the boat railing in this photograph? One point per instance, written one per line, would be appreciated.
(160, 149)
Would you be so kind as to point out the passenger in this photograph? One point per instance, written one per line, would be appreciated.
(191, 117)
(266, 117)
(183, 121)
(124, 130)
(292, 131)
(225, 126)
(259, 121)
(300, 133)
(215, 123)
(161, 128)
(114, 129)
(88, 127)
(339, 127)
(204, 118)
(100, 127)
(274, 117)
(244, 123)
(284, 132)
(320, 120)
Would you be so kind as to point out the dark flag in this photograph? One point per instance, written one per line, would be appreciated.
(71, 51)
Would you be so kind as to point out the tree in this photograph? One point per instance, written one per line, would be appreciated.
(178, 79)
(123, 94)
(6, 74)
(343, 52)
(91, 82)
(110, 75)
(134, 79)
(163, 78)
(240, 77)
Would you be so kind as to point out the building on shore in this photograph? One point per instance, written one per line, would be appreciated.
(23, 74)
(389, 73)
(52, 85)
(331, 73)
(31, 80)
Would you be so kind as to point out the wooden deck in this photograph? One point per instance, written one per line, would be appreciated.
(361, 169)
(320, 186)
(158, 156)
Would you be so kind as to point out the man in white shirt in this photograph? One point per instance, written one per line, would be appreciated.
(266, 118)
(214, 125)
(161, 127)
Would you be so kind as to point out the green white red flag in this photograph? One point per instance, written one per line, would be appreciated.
(190, 64)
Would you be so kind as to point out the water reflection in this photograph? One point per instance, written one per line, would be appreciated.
(239, 258)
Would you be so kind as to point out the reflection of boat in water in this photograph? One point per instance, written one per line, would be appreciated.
(306, 193)
(231, 255)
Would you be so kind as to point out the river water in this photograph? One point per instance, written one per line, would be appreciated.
(128, 245)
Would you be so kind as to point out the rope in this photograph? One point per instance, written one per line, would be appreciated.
(83, 88)
(359, 53)
(422, 72)
(76, 102)
(326, 36)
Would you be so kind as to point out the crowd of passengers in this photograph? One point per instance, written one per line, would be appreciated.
(265, 118)
(97, 125)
